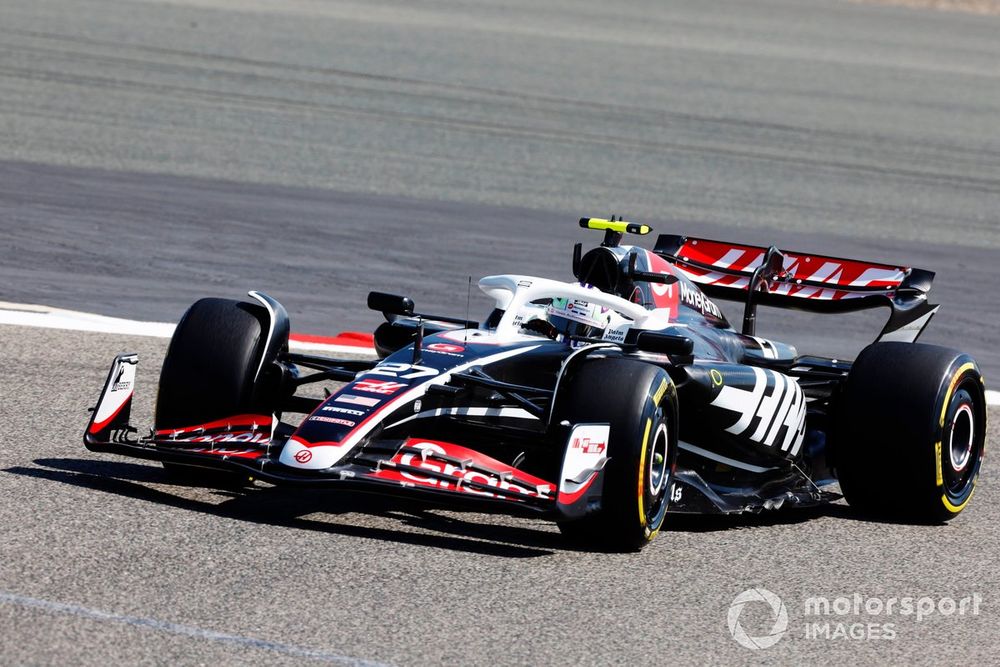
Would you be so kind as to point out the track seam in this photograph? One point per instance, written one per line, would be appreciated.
(25, 601)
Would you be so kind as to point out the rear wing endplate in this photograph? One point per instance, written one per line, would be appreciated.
(818, 283)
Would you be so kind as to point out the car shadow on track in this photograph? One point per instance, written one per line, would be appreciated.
(710, 523)
(698, 523)
(290, 507)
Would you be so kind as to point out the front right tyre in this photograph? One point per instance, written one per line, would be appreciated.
(210, 372)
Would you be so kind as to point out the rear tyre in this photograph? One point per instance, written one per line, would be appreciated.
(637, 400)
(210, 372)
(913, 432)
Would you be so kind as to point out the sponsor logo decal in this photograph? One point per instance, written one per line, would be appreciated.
(313, 455)
(402, 371)
(247, 436)
(444, 347)
(660, 391)
(693, 297)
(578, 309)
(458, 476)
(588, 446)
(333, 420)
(616, 335)
(383, 387)
(358, 400)
(346, 411)
(118, 385)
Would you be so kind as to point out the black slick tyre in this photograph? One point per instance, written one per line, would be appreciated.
(912, 432)
(638, 401)
(211, 372)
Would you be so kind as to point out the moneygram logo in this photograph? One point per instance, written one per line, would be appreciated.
(779, 625)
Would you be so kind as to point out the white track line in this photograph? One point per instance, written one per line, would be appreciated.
(72, 320)
(177, 629)
(54, 318)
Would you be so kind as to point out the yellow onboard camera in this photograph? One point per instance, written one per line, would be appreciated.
(620, 226)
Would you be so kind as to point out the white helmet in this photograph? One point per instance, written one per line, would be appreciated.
(576, 317)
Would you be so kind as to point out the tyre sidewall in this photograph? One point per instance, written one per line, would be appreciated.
(210, 368)
(638, 400)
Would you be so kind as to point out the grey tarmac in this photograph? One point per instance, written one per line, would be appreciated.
(152, 152)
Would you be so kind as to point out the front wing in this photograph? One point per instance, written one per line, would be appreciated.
(435, 470)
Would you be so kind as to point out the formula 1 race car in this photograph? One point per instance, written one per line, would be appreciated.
(602, 403)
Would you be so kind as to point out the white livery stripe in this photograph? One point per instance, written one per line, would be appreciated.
(788, 401)
(508, 413)
(327, 455)
(768, 407)
(727, 260)
(755, 263)
(742, 401)
(714, 277)
(688, 447)
(43, 317)
(421, 389)
(873, 274)
(767, 348)
(824, 272)
(807, 292)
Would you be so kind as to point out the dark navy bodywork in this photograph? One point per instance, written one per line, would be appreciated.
(469, 413)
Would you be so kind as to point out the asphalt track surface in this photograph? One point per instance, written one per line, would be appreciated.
(155, 152)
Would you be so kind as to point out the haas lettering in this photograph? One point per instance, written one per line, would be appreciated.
(775, 406)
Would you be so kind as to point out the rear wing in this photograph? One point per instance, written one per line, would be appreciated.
(818, 283)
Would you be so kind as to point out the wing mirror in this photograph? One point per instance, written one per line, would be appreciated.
(390, 304)
(651, 341)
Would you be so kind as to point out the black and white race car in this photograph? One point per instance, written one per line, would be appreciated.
(602, 404)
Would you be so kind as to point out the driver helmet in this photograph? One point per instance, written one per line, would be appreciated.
(576, 317)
